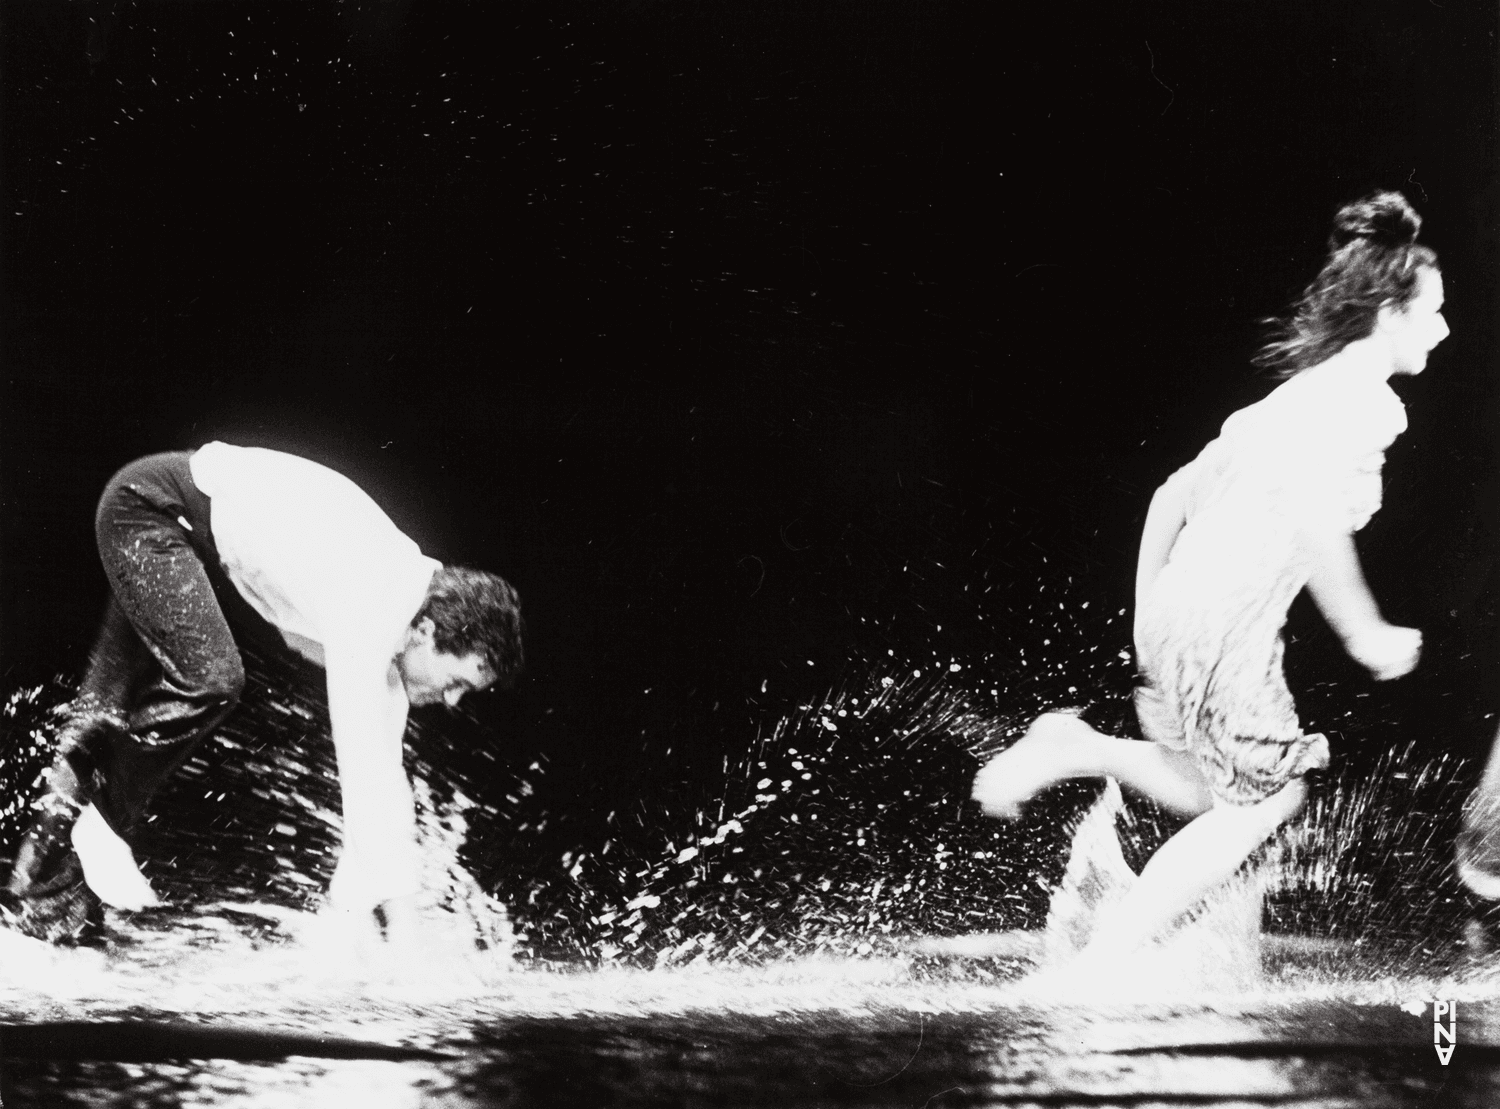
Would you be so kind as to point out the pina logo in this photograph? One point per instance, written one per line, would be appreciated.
(1440, 1032)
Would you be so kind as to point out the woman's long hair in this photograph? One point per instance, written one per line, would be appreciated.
(1373, 261)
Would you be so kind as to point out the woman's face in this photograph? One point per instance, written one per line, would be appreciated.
(1414, 330)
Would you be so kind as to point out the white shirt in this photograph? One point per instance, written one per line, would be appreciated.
(317, 558)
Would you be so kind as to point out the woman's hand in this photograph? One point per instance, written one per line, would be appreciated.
(1386, 650)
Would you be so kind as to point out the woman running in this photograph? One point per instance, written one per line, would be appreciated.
(1268, 507)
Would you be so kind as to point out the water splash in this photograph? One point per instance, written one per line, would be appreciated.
(843, 829)
(836, 847)
(249, 828)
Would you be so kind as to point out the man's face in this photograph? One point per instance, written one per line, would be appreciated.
(435, 677)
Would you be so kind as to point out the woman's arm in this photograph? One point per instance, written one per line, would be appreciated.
(1338, 585)
(1165, 519)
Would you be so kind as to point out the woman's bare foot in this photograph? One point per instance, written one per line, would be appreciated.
(1048, 753)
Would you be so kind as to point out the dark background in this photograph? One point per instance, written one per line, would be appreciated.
(751, 341)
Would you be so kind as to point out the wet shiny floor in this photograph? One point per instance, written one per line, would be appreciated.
(1316, 1055)
(230, 1023)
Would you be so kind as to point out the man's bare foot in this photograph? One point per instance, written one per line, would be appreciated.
(109, 867)
(1047, 754)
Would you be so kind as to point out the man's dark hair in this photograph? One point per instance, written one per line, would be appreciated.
(475, 613)
(1374, 260)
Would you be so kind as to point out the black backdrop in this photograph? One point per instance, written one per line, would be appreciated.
(740, 336)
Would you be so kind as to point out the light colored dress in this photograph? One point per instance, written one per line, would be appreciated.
(1208, 634)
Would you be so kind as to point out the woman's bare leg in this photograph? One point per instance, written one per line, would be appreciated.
(1059, 746)
(1187, 867)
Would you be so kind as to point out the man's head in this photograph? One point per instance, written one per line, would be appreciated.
(466, 637)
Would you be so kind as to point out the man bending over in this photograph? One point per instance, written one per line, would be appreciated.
(276, 546)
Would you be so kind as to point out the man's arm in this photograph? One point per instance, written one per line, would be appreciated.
(1338, 585)
(367, 706)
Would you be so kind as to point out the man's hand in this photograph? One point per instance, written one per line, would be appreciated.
(424, 954)
(1385, 650)
(398, 920)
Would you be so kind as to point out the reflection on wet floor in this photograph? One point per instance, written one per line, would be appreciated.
(267, 1021)
(1314, 1054)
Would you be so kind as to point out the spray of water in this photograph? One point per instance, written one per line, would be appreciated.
(840, 840)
